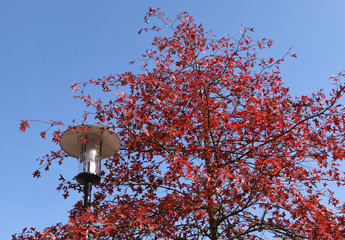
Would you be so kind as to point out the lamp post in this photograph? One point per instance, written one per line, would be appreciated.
(89, 144)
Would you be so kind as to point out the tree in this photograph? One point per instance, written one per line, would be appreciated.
(213, 147)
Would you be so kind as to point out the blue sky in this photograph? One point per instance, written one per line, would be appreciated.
(47, 45)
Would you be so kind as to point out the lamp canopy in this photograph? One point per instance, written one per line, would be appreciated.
(70, 141)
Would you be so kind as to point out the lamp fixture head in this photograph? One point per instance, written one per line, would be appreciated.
(89, 144)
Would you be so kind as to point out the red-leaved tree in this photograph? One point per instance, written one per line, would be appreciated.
(213, 147)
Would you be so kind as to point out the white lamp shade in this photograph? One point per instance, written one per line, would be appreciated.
(70, 140)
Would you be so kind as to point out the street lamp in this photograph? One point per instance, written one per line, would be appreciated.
(89, 144)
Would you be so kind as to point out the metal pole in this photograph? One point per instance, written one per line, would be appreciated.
(87, 200)
(87, 194)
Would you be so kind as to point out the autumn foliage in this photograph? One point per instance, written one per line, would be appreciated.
(213, 146)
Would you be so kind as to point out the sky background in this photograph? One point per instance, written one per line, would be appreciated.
(47, 45)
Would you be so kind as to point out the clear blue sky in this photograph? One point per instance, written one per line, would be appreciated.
(45, 46)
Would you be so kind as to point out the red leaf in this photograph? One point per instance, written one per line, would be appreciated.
(36, 174)
(23, 125)
(61, 178)
(43, 134)
(65, 195)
